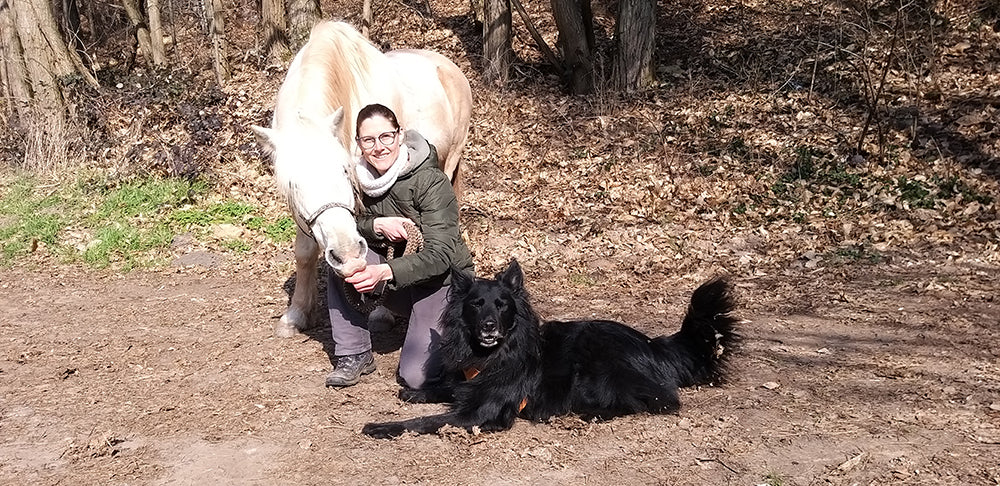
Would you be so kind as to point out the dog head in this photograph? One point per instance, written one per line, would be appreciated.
(489, 308)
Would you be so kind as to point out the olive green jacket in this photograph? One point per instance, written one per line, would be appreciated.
(424, 195)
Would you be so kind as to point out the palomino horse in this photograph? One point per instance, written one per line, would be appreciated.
(311, 140)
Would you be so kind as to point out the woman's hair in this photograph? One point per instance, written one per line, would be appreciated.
(376, 109)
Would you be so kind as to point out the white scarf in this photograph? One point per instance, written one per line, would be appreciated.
(375, 185)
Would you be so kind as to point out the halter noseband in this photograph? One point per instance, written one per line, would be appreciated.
(311, 219)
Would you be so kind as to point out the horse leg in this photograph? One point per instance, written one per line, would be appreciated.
(296, 318)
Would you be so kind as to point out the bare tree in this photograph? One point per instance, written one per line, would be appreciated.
(220, 48)
(575, 22)
(635, 39)
(274, 30)
(302, 16)
(497, 51)
(141, 30)
(366, 18)
(37, 64)
(157, 51)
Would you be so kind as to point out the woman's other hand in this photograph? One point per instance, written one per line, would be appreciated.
(391, 227)
(366, 280)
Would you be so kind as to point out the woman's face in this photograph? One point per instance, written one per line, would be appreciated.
(379, 141)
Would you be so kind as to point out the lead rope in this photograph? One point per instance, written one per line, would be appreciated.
(365, 303)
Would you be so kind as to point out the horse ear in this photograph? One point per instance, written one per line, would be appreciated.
(512, 277)
(335, 120)
(461, 281)
(265, 138)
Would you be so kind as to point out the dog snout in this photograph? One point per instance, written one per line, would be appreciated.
(489, 328)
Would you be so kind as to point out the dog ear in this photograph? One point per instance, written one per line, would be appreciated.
(512, 277)
(461, 280)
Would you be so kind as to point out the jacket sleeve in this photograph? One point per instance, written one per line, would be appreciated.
(438, 210)
(366, 228)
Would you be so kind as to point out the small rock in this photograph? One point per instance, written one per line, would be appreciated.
(227, 231)
(197, 258)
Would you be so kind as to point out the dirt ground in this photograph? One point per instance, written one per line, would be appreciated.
(847, 375)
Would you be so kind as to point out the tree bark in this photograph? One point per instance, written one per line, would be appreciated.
(574, 21)
(220, 48)
(17, 88)
(274, 30)
(635, 40)
(497, 51)
(159, 54)
(141, 29)
(37, 64)
(366, 19)
(302, 16)
(45, 67)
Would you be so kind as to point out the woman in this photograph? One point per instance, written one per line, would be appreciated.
(401, 182)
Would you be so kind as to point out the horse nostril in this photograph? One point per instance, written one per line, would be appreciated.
(333, 257)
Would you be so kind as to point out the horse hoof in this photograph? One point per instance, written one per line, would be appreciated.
(290, 324)
(285, 330)
(381, 320)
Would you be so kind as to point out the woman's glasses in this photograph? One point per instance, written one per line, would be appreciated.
(385, 138)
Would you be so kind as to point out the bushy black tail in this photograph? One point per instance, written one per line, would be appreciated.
(708, 335)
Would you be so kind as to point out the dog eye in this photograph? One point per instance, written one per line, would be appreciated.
(500, 304)
(477, 303)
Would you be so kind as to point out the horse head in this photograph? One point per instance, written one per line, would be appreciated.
(315, 172)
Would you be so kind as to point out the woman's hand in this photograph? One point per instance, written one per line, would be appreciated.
(366, 280)
(391, 227)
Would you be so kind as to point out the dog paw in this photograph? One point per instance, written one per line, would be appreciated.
(386, 430)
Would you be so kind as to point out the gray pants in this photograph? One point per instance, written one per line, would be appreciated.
(419, 359)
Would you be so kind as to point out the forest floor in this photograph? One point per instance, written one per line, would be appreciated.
(867, 278)
(851, 375)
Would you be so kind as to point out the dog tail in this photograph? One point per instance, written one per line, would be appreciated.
(700, 350)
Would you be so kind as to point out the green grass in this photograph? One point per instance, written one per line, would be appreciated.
(773, 479)
(281, 230)
(226, 212)
(123, 226)
(125, 245)
(28, 216)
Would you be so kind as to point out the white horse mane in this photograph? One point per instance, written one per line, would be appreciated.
(337, 68)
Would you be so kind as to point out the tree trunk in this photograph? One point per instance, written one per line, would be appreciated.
(497, 52)
(158, 53)
(574, 21)
(302, 16)
(274, 30)
(141, 30)
(45, 68)
(37, 63)
(220, 48)
(16, 87)
(635, 40)
(366, 19)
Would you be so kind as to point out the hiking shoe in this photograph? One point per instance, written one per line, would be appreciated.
(349, 369)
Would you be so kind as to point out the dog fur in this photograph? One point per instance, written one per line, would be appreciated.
(518, 367)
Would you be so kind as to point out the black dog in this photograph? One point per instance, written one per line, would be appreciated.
(515, 367)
